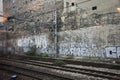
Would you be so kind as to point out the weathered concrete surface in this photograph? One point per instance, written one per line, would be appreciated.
(80, 33)
(1, 12)
(92, 41)
(96, 41)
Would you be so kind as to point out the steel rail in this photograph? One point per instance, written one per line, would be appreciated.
(90, 72)
(75, 62)
(20, 69)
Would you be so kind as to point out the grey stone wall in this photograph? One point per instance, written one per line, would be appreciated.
(95, 41)
(96, 35)
(35, 16)
(91, 41)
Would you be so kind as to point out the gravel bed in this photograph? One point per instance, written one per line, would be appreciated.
(75, 76)
(6, 75)
(94, 68)
(86, 67)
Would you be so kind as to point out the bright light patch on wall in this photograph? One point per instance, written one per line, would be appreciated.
(13, 1)
(3, 19)
(118, 9)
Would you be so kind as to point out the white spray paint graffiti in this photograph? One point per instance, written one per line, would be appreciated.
(78, 49)
(40, 41)
(23, 42)
(113, 51)
(118, 52)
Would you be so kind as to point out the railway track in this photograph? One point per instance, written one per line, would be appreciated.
(21, 71)
(75, 62)
(30, 71)
(95, 73)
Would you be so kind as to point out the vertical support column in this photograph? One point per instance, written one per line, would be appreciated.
(55, 34)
